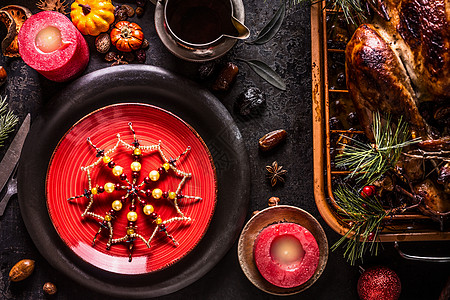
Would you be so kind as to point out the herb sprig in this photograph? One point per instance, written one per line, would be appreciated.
(368, 161)
(365, 216)
(7, 120)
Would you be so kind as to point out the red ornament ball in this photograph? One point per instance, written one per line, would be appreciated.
(379, 283)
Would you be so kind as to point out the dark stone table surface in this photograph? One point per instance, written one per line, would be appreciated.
(289, 53)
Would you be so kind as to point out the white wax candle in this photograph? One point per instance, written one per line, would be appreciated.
(286, 250)
(48, 39)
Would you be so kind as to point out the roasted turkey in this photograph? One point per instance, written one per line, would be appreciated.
(393, 64)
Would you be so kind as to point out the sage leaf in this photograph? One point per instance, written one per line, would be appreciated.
(271, 28)
(266, 73)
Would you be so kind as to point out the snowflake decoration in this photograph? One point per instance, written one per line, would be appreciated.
(134, 192)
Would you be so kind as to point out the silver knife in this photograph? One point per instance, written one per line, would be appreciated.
(11, 158)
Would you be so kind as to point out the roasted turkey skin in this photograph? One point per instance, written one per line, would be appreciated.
(378, 81)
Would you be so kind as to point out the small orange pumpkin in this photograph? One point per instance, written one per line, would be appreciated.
(127, 36)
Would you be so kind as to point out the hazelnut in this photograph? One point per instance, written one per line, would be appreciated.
(273, 201)
(21, 270)
(145, 44)
(139, 11)
(103, 43)
(255, 213)
(3, 75)
(129, 10)
(49, 288)
(110, 56)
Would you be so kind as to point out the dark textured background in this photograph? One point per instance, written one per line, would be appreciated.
(289, 54)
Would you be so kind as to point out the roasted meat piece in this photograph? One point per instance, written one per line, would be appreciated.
(392, 65)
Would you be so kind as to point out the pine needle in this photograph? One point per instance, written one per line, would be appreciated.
(368, 162)
(365, 216)
(7, 121)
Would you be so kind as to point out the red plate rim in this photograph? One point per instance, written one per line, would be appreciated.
(197, 136)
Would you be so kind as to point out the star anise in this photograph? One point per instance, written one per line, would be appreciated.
(119, 60)
(276, 173)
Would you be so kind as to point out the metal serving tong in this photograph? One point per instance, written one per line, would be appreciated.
(8, 165)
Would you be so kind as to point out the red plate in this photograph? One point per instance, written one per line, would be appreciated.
(66, 179)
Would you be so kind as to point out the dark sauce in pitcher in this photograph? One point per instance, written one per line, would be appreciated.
(200, 21)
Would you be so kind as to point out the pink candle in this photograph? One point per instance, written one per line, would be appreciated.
(53, 46)
(286, 254)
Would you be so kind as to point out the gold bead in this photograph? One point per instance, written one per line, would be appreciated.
(154, 175)
(157, 193)
(135, 166)
(158, 221)
(130, 231)
(108, 218)
(172, 195)
(166, 166)
(109, 187)
(117, 170)
(137, 151)
(132, 216)
(106, 159)
(148, 209)
(94, 191)
(117, 205)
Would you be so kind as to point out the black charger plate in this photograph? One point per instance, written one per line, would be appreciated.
(140, 84)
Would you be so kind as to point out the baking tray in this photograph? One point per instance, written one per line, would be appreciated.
(402, 227)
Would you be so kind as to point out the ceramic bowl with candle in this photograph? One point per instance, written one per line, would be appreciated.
(283, 250)
(51, 44)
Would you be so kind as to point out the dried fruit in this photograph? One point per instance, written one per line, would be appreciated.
(139, 11)
(53, 5)
(273, 201)
(21, 270)
(103, 43)
(110, 56)
(141, 56)
(129, 10)
(272, 139)
(49, 288)
(226, 77)
(250, 101)
(13, 16)
(3, 75)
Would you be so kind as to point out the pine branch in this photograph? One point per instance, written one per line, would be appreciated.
(7, 121)
(365, 216)
(367, 161)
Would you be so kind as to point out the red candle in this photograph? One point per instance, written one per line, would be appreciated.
(53, 46)
(286, 254)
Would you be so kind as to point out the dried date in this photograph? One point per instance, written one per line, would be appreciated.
(272, 139)
(226, 77)
(21, 270)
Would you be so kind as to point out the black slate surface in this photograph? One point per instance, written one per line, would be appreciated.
(289, 54)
